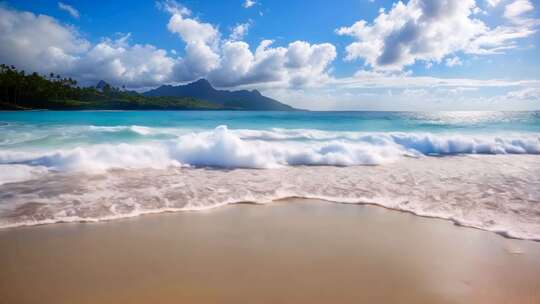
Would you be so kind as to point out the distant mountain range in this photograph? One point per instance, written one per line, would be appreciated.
(203, 90)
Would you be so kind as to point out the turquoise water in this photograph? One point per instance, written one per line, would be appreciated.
(469, 121)
(50, 139)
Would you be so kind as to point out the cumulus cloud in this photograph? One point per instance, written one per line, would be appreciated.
(298, 72)
(429, 31)
(69, 9)
(192, 30)
(239, 31)
(118, 62)
(201, 39)
(297, 65)
(248, 3)
(40, 43)
(231, 62)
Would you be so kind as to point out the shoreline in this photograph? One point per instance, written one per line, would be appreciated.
(493, 193)
(294, 250)
(454, 222)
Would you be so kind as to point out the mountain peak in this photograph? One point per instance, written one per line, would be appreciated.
(203, 90)
(201, 84)
(101, 84)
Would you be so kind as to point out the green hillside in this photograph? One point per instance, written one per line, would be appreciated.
(21, 91)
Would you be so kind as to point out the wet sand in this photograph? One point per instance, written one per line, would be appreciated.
(293, 251)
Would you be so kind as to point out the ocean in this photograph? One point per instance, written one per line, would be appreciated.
(478, 169)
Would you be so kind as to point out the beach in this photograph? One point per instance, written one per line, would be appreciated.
(269, 207)
(270, 152)
(291, 251)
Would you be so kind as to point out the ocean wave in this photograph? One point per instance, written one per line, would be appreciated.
(140, 130)
(227, 148)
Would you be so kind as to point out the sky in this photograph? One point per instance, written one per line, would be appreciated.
(318, 55)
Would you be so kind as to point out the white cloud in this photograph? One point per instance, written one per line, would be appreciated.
(414, 93)
(515, 11)
(453, 61)
(424, 95)
(429, 31)
(383, 79)
(118, 62)
(40, 43)
(202, 43)
(239, 31)
(232, 63)
(69, 9)
(248, 3)
(524, 94)
(369, 90)
(172, 7)
(297, 65)
(493, 3)
(298, 72)
(192, 30)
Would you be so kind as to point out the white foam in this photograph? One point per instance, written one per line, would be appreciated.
(266, 149)
(500, 193)
(19, 173)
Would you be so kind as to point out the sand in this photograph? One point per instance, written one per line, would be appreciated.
(293, 251)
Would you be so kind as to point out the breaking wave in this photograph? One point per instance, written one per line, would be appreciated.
(94, 173)
(274, 148)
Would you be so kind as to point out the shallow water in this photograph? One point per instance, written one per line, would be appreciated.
(479, 169)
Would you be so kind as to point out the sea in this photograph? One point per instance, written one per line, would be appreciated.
(476, 169)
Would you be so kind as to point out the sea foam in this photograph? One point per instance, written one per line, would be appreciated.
(274, 148)
(500, 193)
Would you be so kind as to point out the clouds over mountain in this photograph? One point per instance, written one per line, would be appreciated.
(41, 43)
(121, 63)
(232, 63)
(452, 34)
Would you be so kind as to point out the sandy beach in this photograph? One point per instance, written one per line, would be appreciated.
(270, 152)
(293, 251)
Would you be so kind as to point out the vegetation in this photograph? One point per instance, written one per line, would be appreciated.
(21, 91)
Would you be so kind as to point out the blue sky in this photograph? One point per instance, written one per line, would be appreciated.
(343, 55)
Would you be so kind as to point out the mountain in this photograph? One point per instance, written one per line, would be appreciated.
(203, 90)
(101, 85)
(29, 91)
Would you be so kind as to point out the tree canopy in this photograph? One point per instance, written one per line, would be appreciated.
(22, 91)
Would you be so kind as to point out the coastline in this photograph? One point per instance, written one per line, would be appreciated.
(291, 251)
(82, 221)
(490, 192)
